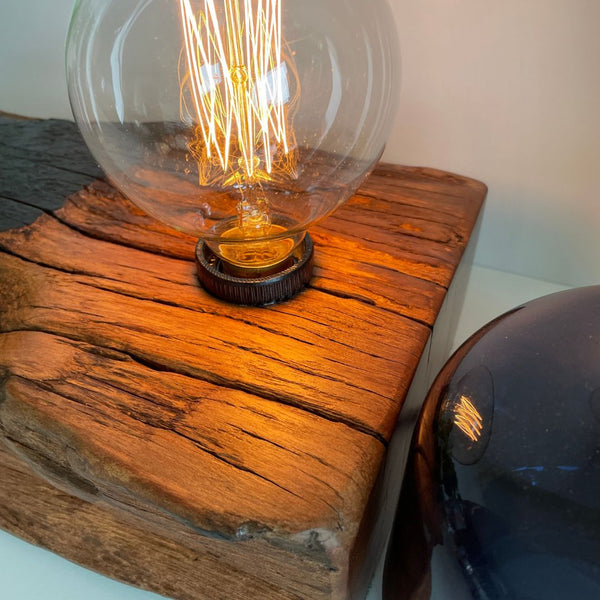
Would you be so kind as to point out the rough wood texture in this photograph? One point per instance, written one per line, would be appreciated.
(202, 450)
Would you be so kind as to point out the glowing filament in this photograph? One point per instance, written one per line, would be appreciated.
(468, 419)
(238, 85)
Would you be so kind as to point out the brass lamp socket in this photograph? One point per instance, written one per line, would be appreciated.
(247, 288)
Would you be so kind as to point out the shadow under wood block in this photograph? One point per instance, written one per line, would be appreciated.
(198, 449)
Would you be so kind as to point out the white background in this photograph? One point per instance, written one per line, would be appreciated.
(506, 91)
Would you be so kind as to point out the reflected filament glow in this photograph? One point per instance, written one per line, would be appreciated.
(468, 419)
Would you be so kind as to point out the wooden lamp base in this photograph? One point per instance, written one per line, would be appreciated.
(197, 449)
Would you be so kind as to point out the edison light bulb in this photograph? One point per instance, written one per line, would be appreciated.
(240, 122)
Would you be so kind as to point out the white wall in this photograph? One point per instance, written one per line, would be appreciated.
(507, 92)
(32, 42)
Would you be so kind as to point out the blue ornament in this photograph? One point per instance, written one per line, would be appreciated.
(501, 498)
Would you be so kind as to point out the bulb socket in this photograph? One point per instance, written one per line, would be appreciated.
(246, 288)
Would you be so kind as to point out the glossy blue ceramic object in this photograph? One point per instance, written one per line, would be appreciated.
(501, 498)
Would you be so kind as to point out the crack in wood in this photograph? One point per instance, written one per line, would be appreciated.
(308, 371)
(94, 235)
(229, 460)
(6, 250)
(212, 378)
(369, 302)
(366, 193)
(54, 472)
(49, 161)
(397, 230)
(383, 246)
(143, 398)
(26, 203)
(418, 213)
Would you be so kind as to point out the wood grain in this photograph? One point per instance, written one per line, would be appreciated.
(175, 562)
(238, 447)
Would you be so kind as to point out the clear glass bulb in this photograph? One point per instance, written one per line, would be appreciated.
(240, 122)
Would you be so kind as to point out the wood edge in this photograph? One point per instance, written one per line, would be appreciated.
(431, 171)
(15, 117)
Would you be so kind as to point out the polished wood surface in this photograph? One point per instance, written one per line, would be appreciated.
(226, 452)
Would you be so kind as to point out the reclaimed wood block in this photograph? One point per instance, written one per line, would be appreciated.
(184, 445)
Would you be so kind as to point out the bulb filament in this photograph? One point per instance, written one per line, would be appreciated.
(235, 88)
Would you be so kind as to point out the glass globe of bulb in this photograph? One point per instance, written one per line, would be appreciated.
(240, 122)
